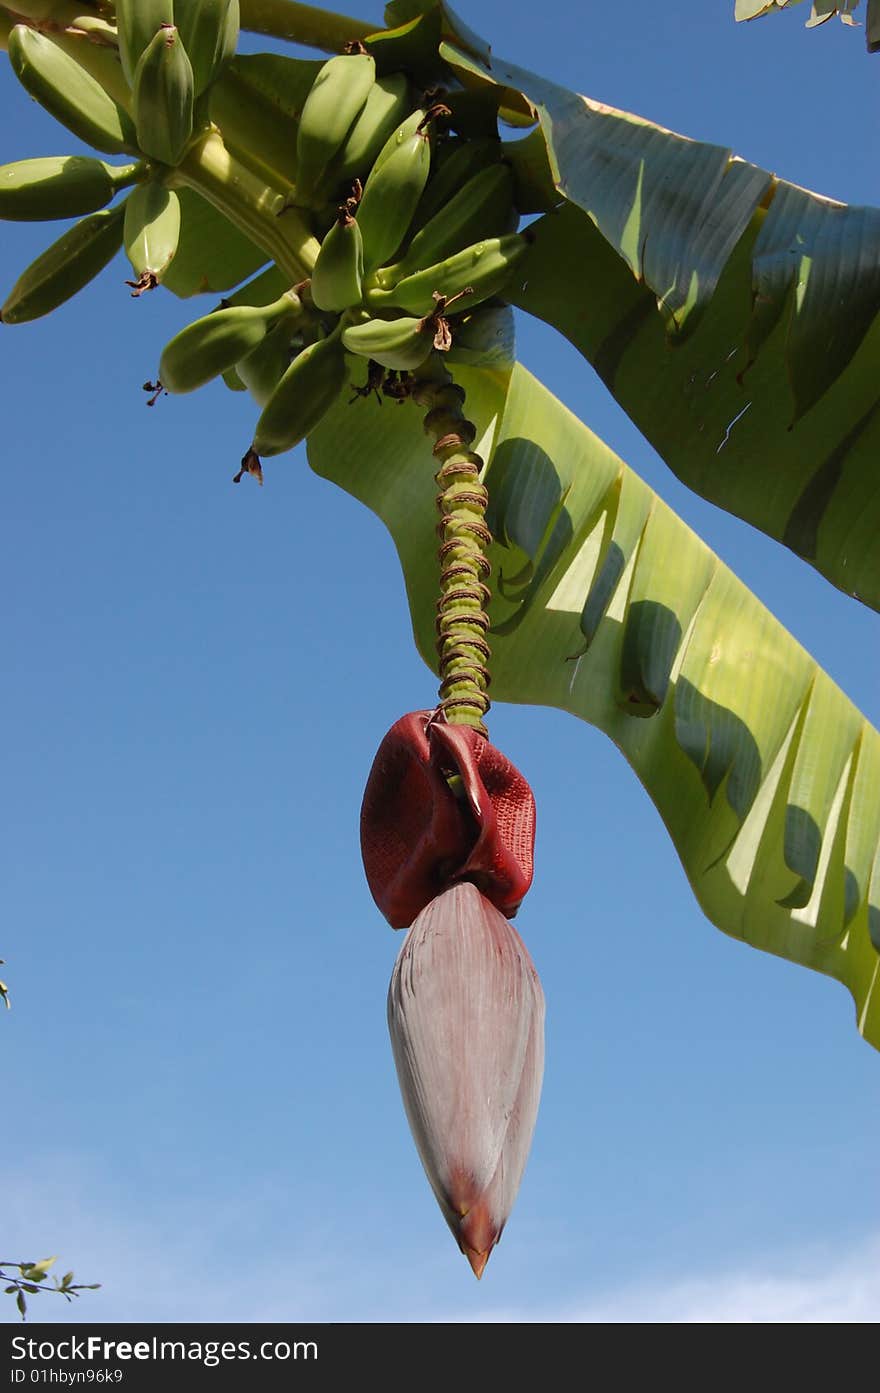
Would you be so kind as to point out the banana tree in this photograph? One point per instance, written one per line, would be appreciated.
(362, 218)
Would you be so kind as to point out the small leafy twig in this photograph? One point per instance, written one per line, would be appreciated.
(31, 1279)
(32, 1275)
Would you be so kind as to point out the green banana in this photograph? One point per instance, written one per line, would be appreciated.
(401, 344)
(482, 269)
(454, 166)
(65, 267)
(384, 109)
(408, 126)
(305, 393)
(163, 97)
(136, 23)
(335, 100)
(232, 380)
(151, 232)
(216, 342)
(482, 208)
(338, 276)
(390, 197)
(263, 368)
(209, 30)
(68, 92)
(59, 186)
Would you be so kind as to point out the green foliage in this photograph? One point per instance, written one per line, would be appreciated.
(31, 1280)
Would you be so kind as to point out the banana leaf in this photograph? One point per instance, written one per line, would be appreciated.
(732, 314)
(820, 11)
(606, 605)
(752, 301)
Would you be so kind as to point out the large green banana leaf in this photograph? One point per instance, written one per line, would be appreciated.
(733, 315)
(608, 606)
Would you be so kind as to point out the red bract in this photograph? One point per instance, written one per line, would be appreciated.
(466, 1016)
(418, 836)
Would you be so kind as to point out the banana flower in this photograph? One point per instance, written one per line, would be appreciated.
(447, 834)
(466, 1016)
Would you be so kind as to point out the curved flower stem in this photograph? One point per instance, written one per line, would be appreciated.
(303, 24)
(462, 621)
(253, 206)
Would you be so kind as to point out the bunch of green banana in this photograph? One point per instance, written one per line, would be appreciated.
(60, 186)
(400, 344)
(65, 267)
(338, 275)
(163, 93)
(218, 341)
(391, 195)
(386, 106)
(151, 232)
(333, 104)
(304, 394)
(68, 92)
(481, 270)
(482, 208)
(209, 30)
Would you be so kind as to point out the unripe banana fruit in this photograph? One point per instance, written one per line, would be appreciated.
(454, 168)
(163, 97)
(263, 368)
(401, 344)
(483, 270)
(59, 186)
(305, 393)
(390, 197)
(136, 23)
(335, 100)
(209, 30)
(408, 126)
(151, 234)
(218, 341)
(65, 267)
(482, 208)
(338, 276)
(384, 109)
(68, 92)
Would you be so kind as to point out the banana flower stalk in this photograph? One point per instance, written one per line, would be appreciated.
(466, 1016)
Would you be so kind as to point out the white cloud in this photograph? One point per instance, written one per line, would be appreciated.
(160, 1265)
(807, 1288)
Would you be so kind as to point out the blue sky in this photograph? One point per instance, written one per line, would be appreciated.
(201, 1108)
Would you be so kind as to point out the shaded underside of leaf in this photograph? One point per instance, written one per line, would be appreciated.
(257, 104)
(712, 408)
(606, 605)
(754, 303)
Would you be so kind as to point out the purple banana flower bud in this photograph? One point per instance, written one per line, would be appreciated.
(466, 1016)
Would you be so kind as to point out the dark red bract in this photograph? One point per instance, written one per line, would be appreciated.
(418, 836)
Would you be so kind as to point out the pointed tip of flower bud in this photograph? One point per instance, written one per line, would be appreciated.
(478, 1233)
(477, 1261)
